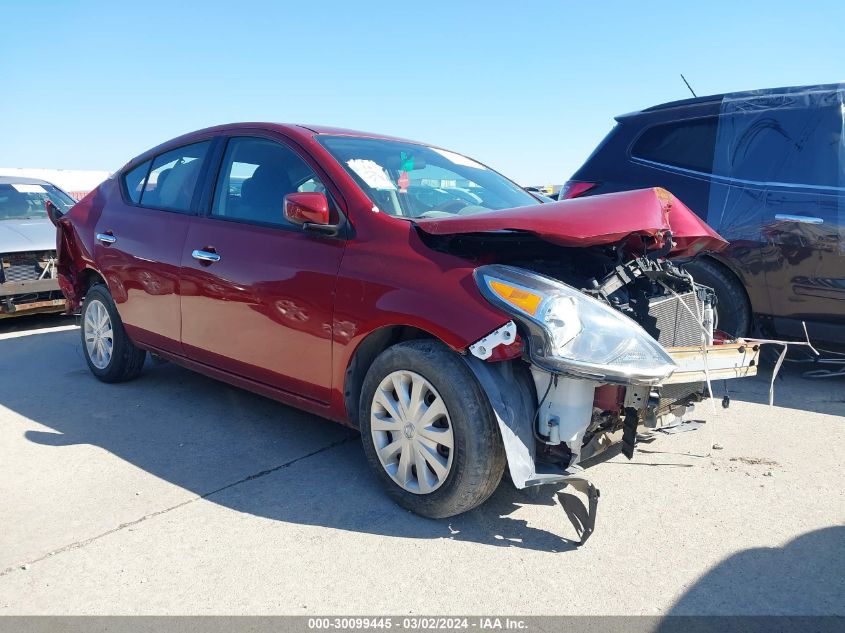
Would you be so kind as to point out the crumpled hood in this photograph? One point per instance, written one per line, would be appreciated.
(612, 218)
(17, 236)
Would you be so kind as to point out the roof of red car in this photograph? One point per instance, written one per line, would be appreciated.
(340, 131)
(291, 129)
(299, 129)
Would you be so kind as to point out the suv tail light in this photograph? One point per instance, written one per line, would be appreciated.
(575, 188)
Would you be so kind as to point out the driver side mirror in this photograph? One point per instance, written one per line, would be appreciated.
(307, 208)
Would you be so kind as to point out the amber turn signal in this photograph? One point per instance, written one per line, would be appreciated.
(526, 301)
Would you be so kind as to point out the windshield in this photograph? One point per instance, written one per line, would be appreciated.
(23, 201)
(414, 181)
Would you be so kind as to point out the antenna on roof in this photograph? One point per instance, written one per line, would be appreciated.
(688, 86)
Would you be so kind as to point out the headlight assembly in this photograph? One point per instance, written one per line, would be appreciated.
(572, 333)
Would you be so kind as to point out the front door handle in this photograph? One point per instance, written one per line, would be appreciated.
(106, 238)
(205, 256)
(803, 219)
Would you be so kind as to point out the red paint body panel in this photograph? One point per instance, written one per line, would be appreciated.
(142, 268)
(264, 311)
(389, 277)
(283, 311)
(608, 219)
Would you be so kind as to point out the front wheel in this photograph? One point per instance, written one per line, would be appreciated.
(429, 431)
(110, 354)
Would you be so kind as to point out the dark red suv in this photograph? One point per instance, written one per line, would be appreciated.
(405, 290)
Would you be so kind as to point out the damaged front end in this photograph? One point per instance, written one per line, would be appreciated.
(29, 284)
(614, 336)
(638, 347)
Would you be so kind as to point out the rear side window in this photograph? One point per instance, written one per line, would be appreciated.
(798, 146)
(134, 181)
(173, 178)
(687, 144)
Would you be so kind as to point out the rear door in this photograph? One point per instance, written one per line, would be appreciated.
(258, 292)
(786, 155)
(805, 267)
(139, 241)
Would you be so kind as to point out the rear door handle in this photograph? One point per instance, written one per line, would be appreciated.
(205, 256)
(803, 219)
(106, 238)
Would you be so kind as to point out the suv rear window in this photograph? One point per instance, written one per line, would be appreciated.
(687, 144)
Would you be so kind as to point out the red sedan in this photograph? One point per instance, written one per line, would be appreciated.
(407, 291)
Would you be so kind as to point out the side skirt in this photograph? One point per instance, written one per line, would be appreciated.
(268, 391)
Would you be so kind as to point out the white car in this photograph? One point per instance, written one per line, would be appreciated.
(28, 281)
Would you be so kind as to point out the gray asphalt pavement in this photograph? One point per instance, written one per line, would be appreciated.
(176, 494)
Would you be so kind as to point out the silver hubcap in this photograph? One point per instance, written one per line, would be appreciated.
(412, 432)
(99, 340)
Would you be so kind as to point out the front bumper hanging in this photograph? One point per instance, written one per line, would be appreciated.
(714, 362)
(583, 518)
(42, 295)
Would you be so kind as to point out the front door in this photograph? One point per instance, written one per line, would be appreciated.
(257, 291)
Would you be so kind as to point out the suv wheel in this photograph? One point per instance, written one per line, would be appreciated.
(429, 431)
(110, 354)
(733, 312)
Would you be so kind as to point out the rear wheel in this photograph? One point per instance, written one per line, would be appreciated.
(733, 311)
(428, 430)
(110, 354)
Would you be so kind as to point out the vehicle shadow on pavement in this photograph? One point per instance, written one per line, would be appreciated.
(237, 449)
(804, 577)
(791, 390)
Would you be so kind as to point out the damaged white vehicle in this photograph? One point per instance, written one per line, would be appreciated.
(28, 280)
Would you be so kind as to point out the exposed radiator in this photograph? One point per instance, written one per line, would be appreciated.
(672, 323)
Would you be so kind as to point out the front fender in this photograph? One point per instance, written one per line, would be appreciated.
(407, 288)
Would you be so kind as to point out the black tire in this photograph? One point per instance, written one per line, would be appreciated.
(478, 458)
(126, 360)
(733, 310)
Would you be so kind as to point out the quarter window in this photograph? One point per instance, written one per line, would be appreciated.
(687, 144)
(135, 180)
(173, 178)
(255, 177)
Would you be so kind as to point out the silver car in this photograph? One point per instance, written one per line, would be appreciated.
(28, 281)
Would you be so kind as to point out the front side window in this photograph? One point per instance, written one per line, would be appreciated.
(410, 181)
(24, 201)
(173, 178)
(687, 144)
(254, 179)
